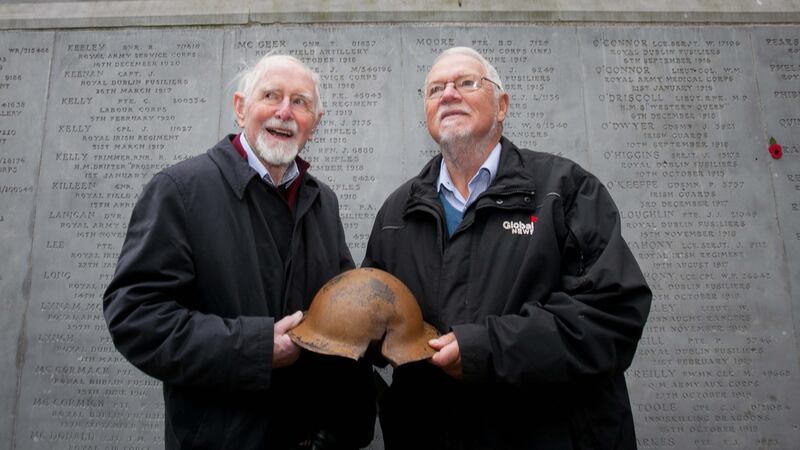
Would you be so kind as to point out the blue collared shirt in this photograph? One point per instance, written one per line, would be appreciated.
(291, 173)
(476, 186)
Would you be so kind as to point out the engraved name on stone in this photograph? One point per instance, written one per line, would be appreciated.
(23, 87)
(678, 138)
(777, 51)
(125, 105)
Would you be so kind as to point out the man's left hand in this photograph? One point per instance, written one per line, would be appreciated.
(284, 351)
(448, 355)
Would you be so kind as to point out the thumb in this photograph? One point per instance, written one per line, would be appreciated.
(288, 322)
(439, 342)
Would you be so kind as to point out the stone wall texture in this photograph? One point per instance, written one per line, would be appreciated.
(674, 106)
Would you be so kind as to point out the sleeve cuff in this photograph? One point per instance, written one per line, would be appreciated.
(473, 343)
(255, 362)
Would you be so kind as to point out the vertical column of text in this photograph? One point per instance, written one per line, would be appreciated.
(24, 65)
(777, 51)
(122, 106)
(674, 125)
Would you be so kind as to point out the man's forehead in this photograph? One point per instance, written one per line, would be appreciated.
(287, 73)
(455, 65)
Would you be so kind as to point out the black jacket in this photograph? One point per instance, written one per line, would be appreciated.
(196, 293)
(546, 301)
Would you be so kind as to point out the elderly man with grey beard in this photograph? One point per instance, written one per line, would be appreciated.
(516, 257)
(223, 252)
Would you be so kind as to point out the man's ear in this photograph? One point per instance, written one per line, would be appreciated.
(503, 107)
(239, 108)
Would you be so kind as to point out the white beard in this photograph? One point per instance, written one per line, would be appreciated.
(460, 147)
(279, 154)
(452, 136)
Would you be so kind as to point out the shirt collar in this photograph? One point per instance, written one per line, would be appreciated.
(489, 167)
(291, 172)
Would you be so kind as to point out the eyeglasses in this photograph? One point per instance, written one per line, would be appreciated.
(468, 83)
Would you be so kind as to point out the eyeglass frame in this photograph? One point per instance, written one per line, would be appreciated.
(423, 91)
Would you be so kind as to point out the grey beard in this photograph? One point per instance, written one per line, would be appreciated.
(281, 154)
(460, 149)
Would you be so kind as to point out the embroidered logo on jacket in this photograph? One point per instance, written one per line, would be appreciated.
(519, 226)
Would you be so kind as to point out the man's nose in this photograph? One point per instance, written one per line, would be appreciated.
(450, 93)
(284, 111)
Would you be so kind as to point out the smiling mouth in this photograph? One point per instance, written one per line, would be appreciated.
(283, 134)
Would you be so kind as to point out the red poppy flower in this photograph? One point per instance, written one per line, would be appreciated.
(775, 149)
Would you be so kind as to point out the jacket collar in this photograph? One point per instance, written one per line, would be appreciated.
(512, 175)
(238, 173)
(233, 167)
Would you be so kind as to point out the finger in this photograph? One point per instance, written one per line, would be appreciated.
(441, 341)
(288, 322)
(285, 352)
(287, 345)
(448, 359)
(295, 319)
(450, 353)
(438, 360)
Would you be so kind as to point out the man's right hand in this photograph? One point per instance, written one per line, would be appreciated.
(284, 351)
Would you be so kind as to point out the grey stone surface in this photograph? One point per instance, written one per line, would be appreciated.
(89, 14)
(23, 90)
(675, 129)
(122, 105)
(777, 61)
(93, 13)
(674, 119)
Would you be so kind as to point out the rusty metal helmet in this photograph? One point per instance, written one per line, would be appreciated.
(362, 306)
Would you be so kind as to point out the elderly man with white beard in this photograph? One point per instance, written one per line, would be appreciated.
(223, 252)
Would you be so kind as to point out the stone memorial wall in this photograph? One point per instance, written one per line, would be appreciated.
(675, 120)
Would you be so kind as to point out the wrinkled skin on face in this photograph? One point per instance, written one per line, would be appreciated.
(280, 114)
(456, 115)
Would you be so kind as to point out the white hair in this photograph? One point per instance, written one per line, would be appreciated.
(249, 76)
(491, 72)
